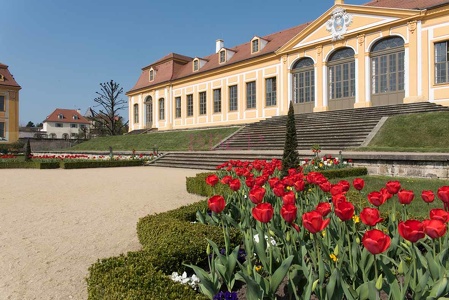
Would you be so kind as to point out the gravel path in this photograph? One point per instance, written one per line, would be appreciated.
(55, 223)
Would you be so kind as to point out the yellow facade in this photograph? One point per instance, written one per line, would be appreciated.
(350, 57)
(9, 107)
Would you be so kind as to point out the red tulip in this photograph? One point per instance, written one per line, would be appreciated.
(375, 241)
(411, 230)
(325, 186)
(443, 194)
(313, 221)
(387, 195)
(260, 181)
(263, 212)
(336, 189)
(299, 185)
(376, 198)
(439, 214)
(216, 203)
(324, 208)
(344, 210)
(434, 228)
(288, 181)
(338, 198)
(279, 189)
(256, 194)
(345, 184)
(405, 196)
(234, 184)
(273, 181)
(358, 183)
(226, 179)
(393, 187)
(427, 196)
(250, 182)
(212, 179)
(289, 198)
(370, 216)
(288, 213)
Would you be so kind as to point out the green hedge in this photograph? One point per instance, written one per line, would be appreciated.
(100, 164)
(169, 240)
(133, 277)
(344, 172)
(29, 165)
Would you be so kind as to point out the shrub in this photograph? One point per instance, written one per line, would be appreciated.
(100, 164)
(290, 158)
(133, 277)
(197, 185)
(345, 172)
(28, 165)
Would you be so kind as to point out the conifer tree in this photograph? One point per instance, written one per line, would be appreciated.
(290, 159)
(28, 151)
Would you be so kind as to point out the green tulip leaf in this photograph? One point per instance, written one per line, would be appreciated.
(349, 292)
(433, 266)
(424, 280)
(253, 289)
(440, 288)
(332, 287)
(363, 291)
(208, 287)
(280, 273)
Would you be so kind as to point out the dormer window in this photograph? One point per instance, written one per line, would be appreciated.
(60, 116)
(151, 74)
(222, 56)
(196, 65)
(255, 46)
(75, 117)
(2, 78)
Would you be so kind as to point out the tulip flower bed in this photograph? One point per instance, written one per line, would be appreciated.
(304, 237)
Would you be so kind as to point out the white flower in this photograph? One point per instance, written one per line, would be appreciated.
(272, 241)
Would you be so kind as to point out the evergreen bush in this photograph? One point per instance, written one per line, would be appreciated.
(290, 158)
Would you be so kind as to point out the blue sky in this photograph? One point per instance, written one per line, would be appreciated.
(60, 51)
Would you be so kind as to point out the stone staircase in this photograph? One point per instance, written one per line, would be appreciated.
(341, 129)
(209, 160)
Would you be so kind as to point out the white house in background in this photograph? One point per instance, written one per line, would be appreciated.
(65, 124)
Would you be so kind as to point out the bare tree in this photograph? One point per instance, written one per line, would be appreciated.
(110, 105)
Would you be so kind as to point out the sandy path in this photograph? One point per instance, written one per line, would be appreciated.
(55, 223)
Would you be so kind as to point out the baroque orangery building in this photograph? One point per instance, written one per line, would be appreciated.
(380, 53)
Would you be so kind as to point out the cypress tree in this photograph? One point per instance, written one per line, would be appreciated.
(28, 151)
(290, 159)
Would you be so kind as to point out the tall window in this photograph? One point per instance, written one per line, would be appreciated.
(161, 109)
(233, 98)
(270, 91)
(151, 75)
(195, 65)
(255, 45)
(222, 56)
(2, 103)
(342, 74)
(178, 107)
(217, 100)
(136, 113)
(387, 65)
(251, 94)
(442, 62)
(149, 110)
(202, 103)
(2, 129)
(189, 105)
(303, 81)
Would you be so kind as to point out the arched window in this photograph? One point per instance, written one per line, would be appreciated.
(303, 76)
(342, 74)
(161, 109)
(149, 110)
(65, 136)
(136, 113)
(387, 65)
(52, 135)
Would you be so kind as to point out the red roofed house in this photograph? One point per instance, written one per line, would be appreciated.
(65, 124)
(9, 106)
(380, 53)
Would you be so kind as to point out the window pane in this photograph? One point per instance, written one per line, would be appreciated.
(189, 105)
(270, 91)
(233, 98)
(178, 107)
(251, 94)
(217, 100)
(2, 129)
(202, 103)
(2, 103)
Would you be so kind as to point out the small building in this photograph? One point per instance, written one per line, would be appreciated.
(9, 106)
(65, 124)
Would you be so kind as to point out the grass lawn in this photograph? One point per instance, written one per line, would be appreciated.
(423, 132)
(185, 140)
(418, 207)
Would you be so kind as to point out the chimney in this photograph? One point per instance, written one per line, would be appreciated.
(218, 45)
(341, 2)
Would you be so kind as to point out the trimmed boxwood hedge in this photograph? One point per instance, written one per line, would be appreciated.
(169, 240)
(100, 164)
(29, 165)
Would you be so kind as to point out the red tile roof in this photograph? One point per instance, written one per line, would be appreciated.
(67, 116)
(175, 66)
(8, 79)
